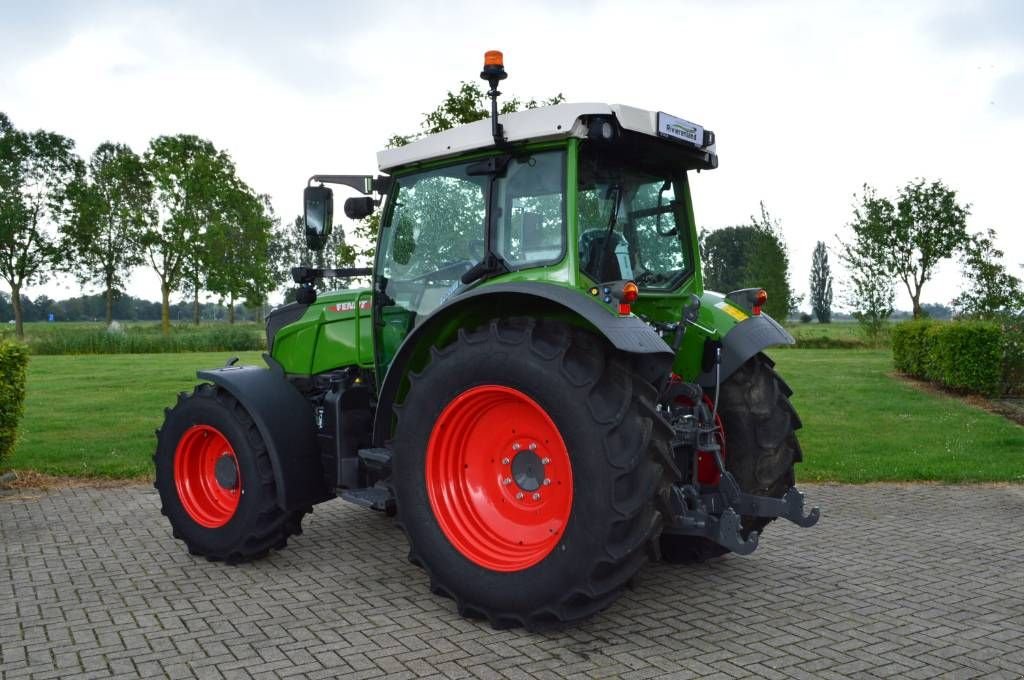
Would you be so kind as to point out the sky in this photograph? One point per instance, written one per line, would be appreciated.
(808, 100)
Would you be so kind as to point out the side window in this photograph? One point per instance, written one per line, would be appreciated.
(530, 210)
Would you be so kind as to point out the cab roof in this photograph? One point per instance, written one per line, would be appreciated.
(541, 124)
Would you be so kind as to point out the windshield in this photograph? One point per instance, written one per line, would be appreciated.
(633, 223)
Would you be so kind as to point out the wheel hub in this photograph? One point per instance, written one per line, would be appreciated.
(528, 470)
(225, 471)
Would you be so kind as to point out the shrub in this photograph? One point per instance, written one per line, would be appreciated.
(909, 347)
(973, 356)
(967, 355)
(1013, 357)
(13, 362)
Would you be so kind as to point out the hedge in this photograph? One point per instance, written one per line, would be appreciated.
(13, 362)
(986, 357)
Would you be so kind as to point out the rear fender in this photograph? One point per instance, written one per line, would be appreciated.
(284, 419)
(652, 358)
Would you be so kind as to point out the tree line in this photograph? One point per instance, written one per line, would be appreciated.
(179, 208)
(125, 308)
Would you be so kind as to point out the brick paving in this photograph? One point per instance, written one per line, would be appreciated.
(896, 581)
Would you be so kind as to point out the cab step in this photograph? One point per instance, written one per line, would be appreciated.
(377, 460)
(379, 498)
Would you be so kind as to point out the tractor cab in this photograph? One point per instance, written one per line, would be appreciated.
(584, 196)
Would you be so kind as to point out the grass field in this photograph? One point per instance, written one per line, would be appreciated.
(95, 416)
(836, 335)
(861, 425)
(142, 337)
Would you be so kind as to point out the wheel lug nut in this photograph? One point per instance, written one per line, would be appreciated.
(506, 481)
(536, 496)
(505, 461)
(519, 496)
(516, 446)
(547, 482)
(533, 446)
(545, 461)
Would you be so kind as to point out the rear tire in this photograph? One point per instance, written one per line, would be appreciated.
(761, 448)
(605, 453)
(219, 514)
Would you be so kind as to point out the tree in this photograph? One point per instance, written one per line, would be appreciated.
(191, 179)
(749, 256)
(821, 284)
(40, 176)
(870, 290)
(991, 290)
(238, 248)
(114, 208)
(925, 226)
(468, 104)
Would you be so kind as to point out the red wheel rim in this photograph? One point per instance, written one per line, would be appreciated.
(210, 501)
(499, 478)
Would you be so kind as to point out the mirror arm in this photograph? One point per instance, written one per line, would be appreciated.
(364, 184)
(308, 275)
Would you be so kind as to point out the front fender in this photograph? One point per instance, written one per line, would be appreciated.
(285, 421)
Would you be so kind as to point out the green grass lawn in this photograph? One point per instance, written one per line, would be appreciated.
(861, 425)
(95, 416)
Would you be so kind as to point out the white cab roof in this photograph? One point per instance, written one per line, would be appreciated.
(534, 125)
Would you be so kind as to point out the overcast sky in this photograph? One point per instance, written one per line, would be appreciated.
(809, 100)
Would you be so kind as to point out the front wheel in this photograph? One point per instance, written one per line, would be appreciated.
(761, 448)
(216, 482)
(528, 457)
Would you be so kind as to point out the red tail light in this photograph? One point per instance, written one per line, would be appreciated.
(759, 300)
(630, 292)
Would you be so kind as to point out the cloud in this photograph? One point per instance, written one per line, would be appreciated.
(1008, 95)
(981, 25)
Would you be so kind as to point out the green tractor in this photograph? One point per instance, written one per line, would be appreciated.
(536, 382)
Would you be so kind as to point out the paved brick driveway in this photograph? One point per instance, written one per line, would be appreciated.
(920, 582)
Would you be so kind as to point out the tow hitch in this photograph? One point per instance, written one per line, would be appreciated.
(716, 515)
(715, 511)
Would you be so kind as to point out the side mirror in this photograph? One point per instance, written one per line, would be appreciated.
(318, 215)
(359, 207)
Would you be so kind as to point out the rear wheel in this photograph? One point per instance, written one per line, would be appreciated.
(215, 479)
(761, 448)
(528, 457)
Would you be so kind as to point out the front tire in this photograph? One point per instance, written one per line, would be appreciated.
(761, 446)
(528, 457)
(216, 482)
